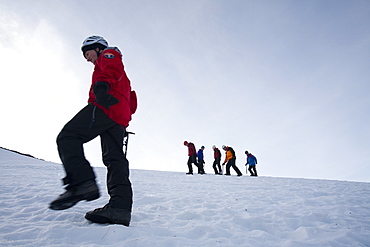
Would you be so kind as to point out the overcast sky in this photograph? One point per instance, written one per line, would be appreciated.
(287, 80)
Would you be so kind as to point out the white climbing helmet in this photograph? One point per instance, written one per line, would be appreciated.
(92, 42)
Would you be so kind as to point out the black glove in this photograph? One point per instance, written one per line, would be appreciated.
(102, 97)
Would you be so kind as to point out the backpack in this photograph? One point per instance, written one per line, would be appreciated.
(232, 151)
(133, 102)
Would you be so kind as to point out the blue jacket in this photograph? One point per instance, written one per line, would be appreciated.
(200, 154)
(251, 160)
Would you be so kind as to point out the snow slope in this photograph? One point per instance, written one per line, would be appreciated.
(172, 209)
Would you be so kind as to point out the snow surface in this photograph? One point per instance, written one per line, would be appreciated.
(172, 209)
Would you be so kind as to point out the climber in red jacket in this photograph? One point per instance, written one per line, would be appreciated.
(108, 113)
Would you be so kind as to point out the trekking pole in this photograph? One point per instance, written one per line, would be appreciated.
(125, 142)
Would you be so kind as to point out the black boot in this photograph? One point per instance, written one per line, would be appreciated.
(109, 215)
(85, 191)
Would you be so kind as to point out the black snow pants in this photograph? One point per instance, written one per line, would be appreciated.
(89, 123)
(201, 166)
(231, 163)
(253, 170)
(192, 160)
(216, 164)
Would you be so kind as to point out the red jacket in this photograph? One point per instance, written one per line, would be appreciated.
(191, 149)
(109, 68)
(217, 153)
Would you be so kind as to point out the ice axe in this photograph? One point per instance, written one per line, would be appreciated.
(125, 140)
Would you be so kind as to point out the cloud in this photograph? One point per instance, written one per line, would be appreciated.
(36, 86)
(285, 80)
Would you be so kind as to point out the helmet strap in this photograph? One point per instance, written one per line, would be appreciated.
(98, 51)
